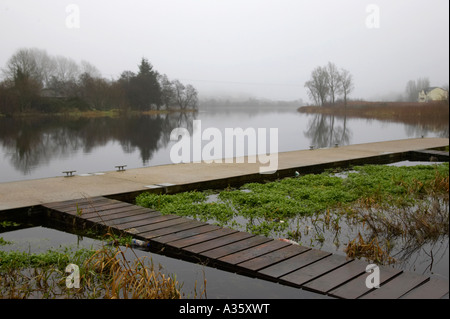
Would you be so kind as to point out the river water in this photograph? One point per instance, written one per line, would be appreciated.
(45, 146)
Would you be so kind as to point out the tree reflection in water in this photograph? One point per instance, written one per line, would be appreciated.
(323, 131)
(32, 142)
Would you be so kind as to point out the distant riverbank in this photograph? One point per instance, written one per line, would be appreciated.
(99, 113)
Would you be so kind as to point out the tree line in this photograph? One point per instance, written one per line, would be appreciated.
(414, 87)
(328, 84)
(35, 81)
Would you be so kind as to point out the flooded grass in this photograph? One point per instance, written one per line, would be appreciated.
(105, 271)
(384, 214)
(118, 279)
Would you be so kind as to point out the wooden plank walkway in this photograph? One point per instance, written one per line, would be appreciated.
(251, 255)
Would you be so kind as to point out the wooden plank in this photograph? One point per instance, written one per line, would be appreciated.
(142, 225)
(312, 271)
(222, 251)
(188, 224)
(68, 207)
(218, 242)
(124, 214)
(433, 289)
(143, 218)
(201, 238)
(357, 287)
(286, 266)
(92, 209)
(337, 277)
(174, 220)
(64, 203)
(254, 252)
(397, 287)
(204, 228)
(111, 211)
(273, 258)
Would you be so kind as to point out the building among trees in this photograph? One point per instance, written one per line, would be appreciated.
(433, 94)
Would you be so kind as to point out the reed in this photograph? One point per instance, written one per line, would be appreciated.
(432, 114)
(369, 249)
(104, 273)
(135, 280)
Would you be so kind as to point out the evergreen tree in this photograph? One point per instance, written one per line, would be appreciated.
(146, 87)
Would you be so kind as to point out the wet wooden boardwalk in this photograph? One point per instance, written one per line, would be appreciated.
(241, 252)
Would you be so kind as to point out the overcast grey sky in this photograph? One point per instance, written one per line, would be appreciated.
(264, 48)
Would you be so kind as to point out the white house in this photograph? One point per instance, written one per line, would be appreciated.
(433, 94)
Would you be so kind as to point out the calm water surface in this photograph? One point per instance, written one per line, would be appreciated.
(44, 147)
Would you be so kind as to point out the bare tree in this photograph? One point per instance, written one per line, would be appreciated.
(66, 69)
(23, 61)
(318, 85)
(333, 81)
(167, 91)
(413, 88)
(328, 81)
(411, 91)
(24, 77)
(346, 81)
(186, 97)
(45, 64)
(191, 97)
(88, 68)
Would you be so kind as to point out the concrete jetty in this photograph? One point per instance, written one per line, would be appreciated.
(127, 183)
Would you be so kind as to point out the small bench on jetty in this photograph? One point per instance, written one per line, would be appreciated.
(244, 253)
(69, 173)
(120, 168)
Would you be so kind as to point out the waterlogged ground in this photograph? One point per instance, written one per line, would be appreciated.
(387, 214)
(33, 261)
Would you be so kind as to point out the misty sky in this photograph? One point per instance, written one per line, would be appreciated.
(260, 48)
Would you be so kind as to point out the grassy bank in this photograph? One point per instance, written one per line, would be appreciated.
(344, 210)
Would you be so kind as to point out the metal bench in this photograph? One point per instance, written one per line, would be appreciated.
(120, 168)
(69, 173)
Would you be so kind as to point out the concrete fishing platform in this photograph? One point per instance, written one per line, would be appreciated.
(125, 184)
